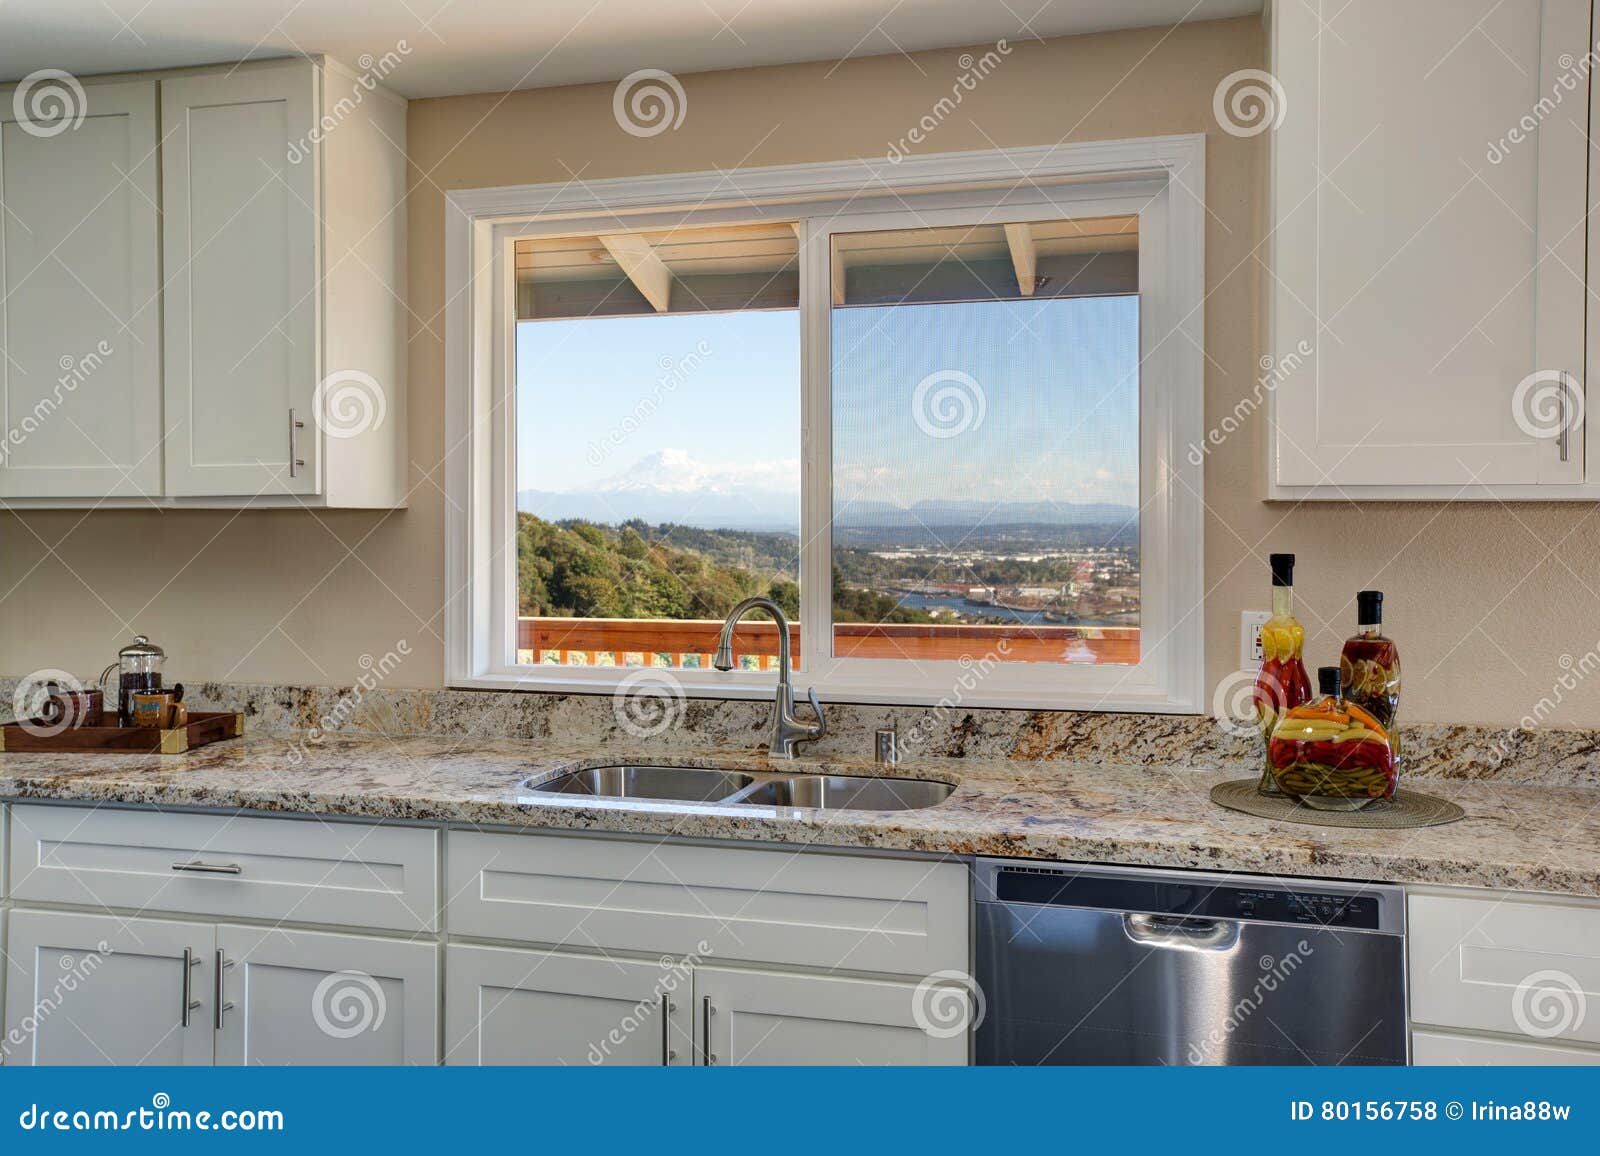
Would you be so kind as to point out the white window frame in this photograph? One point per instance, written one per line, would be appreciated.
(1159, 178)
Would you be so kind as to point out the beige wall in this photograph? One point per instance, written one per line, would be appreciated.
(1485, 599)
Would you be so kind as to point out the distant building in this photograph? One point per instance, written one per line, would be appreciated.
(1038, 591)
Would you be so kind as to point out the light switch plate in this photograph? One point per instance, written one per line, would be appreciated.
(1250, 624)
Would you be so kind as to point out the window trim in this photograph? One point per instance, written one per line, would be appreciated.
(1162, 177)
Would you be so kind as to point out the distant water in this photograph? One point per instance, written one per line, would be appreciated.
(1020, 617)
(949, 602)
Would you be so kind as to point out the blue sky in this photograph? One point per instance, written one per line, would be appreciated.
(1058, 381)
(1055, 382)
(578, 381)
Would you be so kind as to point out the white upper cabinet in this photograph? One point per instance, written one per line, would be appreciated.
(251, 299)
(1429, 189)
(241, 265)
(80, 291)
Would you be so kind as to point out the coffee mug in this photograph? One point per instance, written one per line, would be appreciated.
(74, 708)
(162, 709)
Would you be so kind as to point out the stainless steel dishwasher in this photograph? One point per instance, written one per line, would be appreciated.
(1095, 965)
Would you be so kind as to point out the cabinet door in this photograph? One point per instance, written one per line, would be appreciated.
(505, 1006)
(96, 989)
(239, 192)
(1498, 962)
(300, 997)
(1437, 1049)
(80, 293)
(1428, 242)
(768, 1017)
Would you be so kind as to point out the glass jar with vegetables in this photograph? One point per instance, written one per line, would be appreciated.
(1332, 754)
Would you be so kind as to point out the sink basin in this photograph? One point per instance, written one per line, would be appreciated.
(650, 783)
(675, 784)
(852, 792)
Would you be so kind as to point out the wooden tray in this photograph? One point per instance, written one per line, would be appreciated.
(204, 727)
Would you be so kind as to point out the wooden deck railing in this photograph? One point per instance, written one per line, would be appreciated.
(590, 641)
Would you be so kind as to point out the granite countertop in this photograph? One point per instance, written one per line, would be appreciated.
(1532, 838)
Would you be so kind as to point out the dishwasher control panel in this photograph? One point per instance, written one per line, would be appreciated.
(1201, 899)
(1324, 910)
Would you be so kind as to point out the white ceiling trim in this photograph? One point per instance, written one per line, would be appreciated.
(462, 46)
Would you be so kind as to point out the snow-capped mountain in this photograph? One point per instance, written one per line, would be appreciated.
(674, 471)
(672, 486)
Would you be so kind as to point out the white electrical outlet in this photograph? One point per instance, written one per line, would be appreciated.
(1250, 624)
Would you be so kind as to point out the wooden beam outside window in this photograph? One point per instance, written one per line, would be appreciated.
(1024, 258)
(638, 260)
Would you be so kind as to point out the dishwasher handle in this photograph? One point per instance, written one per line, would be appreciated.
(1181, 931)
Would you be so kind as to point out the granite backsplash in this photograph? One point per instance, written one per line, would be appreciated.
(1545, 755)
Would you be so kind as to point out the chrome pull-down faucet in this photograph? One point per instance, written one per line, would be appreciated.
(787, 730)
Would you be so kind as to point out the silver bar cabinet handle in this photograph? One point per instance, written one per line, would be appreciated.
(1562, 437)
(200, 867)
(667, 1054)
(295, 461)
(190, 962)
(707, 1056)
(222, 1007)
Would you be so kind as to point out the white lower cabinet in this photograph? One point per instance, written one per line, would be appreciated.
(227, 866)
(1502, 978)
(1431, 1048)
(705, 956)
(303, 997)
(508, 1006)
(100, 989)
(784, 906)
(1523, 966)
(96, 989)
(708, 929)
(780, 1018)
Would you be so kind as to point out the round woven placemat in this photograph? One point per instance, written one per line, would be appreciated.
(1406, 809)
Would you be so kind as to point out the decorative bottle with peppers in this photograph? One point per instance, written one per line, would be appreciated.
(1332, 754)
(1282, 683)
(1369, 667)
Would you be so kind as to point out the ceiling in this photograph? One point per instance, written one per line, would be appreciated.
(460, 46)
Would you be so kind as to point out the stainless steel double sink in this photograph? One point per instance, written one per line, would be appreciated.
(656, 784)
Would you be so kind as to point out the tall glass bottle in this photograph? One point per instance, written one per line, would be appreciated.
(1282, 683)
(1369, 666)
